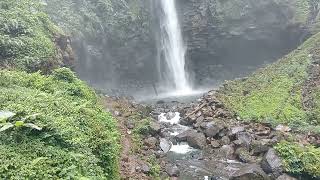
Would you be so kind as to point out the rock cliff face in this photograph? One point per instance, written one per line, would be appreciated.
(233, 35)
(117, 46)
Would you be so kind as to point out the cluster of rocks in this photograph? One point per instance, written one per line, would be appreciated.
(218, 132)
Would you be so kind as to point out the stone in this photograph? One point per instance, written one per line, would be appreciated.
(173, 171)
(236, 130)
(215, 144)
(145, 169)
(165, 145)
(260, 147)
(285, 177)
(151, 142)
(245, 138)
(170, 115)
(227, 151)
(244, 156)
(130, 124)
(117, 113)
(196, 140)
(225, 140)
(283, 128)
(272, 164)
(213, 128)
(250, 172)
(155, 128)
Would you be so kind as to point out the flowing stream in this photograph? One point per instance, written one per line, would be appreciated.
(173, 48)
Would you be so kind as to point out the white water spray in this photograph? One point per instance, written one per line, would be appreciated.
(173, 48)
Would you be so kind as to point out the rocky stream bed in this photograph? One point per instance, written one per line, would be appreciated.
(203, 140)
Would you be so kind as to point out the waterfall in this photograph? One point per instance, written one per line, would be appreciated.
(173, 49)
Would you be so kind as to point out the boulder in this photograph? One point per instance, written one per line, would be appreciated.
(165, 145)
(245, 138)
(286, 177)
(211, 129)
(260, 147)
(272, 164)
(194, 139)
(235, 130)
(155, 128)
(250, 172)
(227, 151)
(173, 171)
(130, 124)
(215, 144)
(225, 140)
(151, 142)
(244, 155)
(145, 169)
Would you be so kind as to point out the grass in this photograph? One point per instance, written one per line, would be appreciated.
(274, 94)
(78, 138)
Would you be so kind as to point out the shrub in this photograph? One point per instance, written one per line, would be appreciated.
(78, 139)
(299, 159)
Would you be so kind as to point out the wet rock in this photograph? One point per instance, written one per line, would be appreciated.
(227, 151)
(189, 120)
(130, 124)
(286, 177)
(165, 145)
(151, 142)
(235, 130)
(170, 115)
(283, 128)
(211, 129)
(196, 140)
(155, 128)
(145, 169)
(225, 140)
(244, 155)
(250, 172)
(215, 144)
(117, 113)
(271, 163)
(245, 138)
(173, 171)
(260, 147)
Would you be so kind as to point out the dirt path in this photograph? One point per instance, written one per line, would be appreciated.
(129, 161)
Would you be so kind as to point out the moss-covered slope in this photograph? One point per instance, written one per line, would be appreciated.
(78, 138)
(275, 93)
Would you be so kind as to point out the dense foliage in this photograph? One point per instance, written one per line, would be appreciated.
(76, 138)
(299, 159)
(275, 94)
(26, 35)
(114, 20)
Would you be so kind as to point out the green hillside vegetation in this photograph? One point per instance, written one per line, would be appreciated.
(26, 36)
(77, 138)
(274, 94)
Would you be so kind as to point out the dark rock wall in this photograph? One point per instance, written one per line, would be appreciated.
(228, 38)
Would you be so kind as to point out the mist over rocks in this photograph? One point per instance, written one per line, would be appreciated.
(225, 39)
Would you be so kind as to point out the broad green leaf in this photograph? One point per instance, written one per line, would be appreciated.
(19, 123)
(4, 115)
(33, 126)
(6, 126)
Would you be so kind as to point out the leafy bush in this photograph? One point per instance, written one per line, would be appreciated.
(300, 159)
(78, 139)
(26, 35)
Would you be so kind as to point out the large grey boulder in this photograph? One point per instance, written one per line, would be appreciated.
(250, 172)
(194, 138)
(272, 164)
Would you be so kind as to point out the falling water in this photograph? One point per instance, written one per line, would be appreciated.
(173, 48)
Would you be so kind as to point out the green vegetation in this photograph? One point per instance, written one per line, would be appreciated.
(298, 159)
(113, 19)
(274, 94)
(72, 136)
(26, 36)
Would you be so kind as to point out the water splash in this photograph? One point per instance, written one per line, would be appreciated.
(173, 48)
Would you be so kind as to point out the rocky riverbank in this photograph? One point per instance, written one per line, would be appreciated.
(199, 140)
